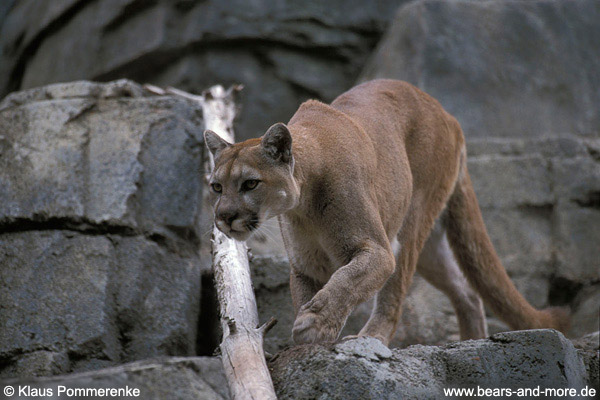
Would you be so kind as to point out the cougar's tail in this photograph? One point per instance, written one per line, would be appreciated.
(480, 263)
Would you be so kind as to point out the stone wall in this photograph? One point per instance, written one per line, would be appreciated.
(101, 193)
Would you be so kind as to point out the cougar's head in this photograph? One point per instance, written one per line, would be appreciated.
(252, 180)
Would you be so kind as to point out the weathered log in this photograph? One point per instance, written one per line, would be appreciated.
(242, 346)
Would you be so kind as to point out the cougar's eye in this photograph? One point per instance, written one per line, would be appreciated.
(217, 187)
(249, 184)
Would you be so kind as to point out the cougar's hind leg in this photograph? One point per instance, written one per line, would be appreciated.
(439, 267)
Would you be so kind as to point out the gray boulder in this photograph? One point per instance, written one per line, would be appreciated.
(588, 347)
(101, 194)
(156, 379)
(364, 368)
(503, 68)
(282, 51)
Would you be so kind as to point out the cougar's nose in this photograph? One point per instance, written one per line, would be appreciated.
(227, 216)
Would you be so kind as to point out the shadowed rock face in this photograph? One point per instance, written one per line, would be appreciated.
(101, 193)
(282, 51)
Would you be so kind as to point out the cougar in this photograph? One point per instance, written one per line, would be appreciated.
(349, 180)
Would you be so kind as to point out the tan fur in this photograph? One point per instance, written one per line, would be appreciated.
(380, 163)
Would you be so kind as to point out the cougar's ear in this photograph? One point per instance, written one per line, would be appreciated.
(214, 142)
(277, 143)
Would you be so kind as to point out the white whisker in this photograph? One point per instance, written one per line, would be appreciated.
(267, 232)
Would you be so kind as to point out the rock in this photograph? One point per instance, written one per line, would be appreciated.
(586, 315)
(523, 180)
(359, 368)
(589, 348)
(101, 195)
(352, 370)
(50, 281)
(504, 69)
(548, 237)
(163, 378)
(523, 351)
(283, 52)
(74, 90)
(310, 372)
(4, 8)
(364, 347)
(591, 341)
(157, 298)
(93, 298)
(577, 231)
(38, 363)
(98, 158)
(270, 277)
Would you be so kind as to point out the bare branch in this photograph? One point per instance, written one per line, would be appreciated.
(267, 326)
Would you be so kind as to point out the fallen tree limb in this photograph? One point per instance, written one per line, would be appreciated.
(242, 346)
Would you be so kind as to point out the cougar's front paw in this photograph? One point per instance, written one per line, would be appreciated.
(311, 327)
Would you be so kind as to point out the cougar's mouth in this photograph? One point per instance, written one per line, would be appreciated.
(252, 223)
(240, 236)
(240, 230)
(235, 234)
